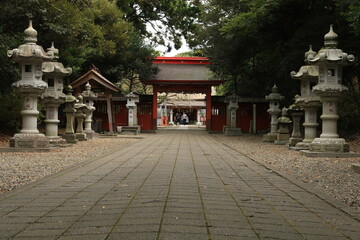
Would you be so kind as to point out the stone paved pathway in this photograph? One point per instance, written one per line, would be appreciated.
(172, 185)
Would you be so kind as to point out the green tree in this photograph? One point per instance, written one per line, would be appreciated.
(168, 20)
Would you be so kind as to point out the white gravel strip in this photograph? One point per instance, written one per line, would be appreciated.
(333, 175)
(19, 168)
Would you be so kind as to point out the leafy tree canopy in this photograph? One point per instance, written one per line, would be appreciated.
(163, 21)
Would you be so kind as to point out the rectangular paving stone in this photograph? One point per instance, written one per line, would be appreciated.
(132, 236)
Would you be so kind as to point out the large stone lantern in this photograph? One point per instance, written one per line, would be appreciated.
(53, 96)
(89, 97)
(30, 57)
(69, 110)
(330, 60)
(274, 99)
(232, 108)
(309, 101)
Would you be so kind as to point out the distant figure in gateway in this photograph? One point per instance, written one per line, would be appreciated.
(184, 119)
(177, 118)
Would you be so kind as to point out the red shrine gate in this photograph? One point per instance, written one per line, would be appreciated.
(182, 74)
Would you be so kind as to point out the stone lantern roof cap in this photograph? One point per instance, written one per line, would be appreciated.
(330, 53)
(331, 38)
(30, 50)
(284, 119)
(88, 94)
(54, 50)
(306, 72)
(69, 97)
(54, 66)
(30, 34)
(131, 95)
(310, 52)
(274, 96)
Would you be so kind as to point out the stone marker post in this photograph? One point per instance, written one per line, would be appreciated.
(284, 122)
(89, 97)
(30, 57)
(308, 75)
(53, 96)
(274, 99)
(232, 108)
(330, 60)
(296, 114)
(132, 99)
(69, 110)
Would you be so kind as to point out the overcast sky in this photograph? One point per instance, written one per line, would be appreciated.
(184, 48)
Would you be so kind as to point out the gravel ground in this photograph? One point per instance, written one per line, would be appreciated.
(333, 175)
(17, 169)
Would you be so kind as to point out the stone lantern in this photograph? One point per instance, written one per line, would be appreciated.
(330, 60)
(233, 106)
(30, 57)
(89, 97)
(198, 118)
(80, 117)
(53, 96)
(274, 99)
(171, 123)
(283, 134)
(132, 99)
(309, 101)
(69, 110)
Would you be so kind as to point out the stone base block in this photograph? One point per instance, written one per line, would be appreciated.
(277, 142)
(198, 123)
(132, 130)
(293, 141)
(309, 153)
(22, 140)
(56, 140)
(270, 137)
(282, 139)
(91, 135)
(329, 145)
(70, 138)
(81, 136)
(233, 131)
(302, 146)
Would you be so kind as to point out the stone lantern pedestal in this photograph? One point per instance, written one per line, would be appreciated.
(232, 108)
(69, 110)
(53, 96)
(274, 99)
(283, 134)
(30, 57)
(296, 114)
(89, 97)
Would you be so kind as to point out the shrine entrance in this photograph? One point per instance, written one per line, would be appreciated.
(182, 75)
